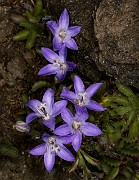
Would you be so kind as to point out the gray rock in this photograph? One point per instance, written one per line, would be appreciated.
(82, 14)
(117, 31)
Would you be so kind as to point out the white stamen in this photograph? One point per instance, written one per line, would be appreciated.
(62, 33)
(56, 148)
(62, 66)
(76, 125)
(42, 111)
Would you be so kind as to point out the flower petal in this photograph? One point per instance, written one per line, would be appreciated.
(48, 98)
(64, 19)
(65, 154)
(90, 129)
(70, 43)
(69, 95)
(57, 43)
(62, 130)
(48, 70)
(45, 136)
(59, 106)
(63, 53)
(93, 105)
(93, 89)
(81, 114)
(65, 139)
(53, 26)
(76, 143)
(38, 150)
(49, 123)
(31, 117)
(78, 85)
(67, 116)
(71, 66)
(49, 160)
(49, 54)
(33, 104)
(74, 30)
(60, 75)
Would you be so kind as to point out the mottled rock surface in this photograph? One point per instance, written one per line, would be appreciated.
(112, 42)
(117, 31)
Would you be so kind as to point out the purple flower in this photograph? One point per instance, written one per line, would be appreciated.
(59, 64)
(76, 126)
(82, 98)
(47, 109)
(63, 33)
(53, 146)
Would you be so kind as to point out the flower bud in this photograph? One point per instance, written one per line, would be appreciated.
(21, 126)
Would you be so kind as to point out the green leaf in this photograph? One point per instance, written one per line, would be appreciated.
(30, 17)
(22, 35)
(125, 90)
(121, 100)
(82, 163)
(112, 175)
(74, 165)
(17, 18)
(123, 110)
(89, 159)
(131, 115)
(40, 84)
(38, 7)
(31, 39)
(9, 151)
(24, 98)
(111, 161)
(106, 168)
(134, 129)
(27, 25)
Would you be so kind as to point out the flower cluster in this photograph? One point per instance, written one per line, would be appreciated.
(75, 125)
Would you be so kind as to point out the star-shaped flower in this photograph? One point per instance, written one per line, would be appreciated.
(82, 98)
(63, 33)
(59, 64)
(53, 146)
(47, 109)
(76, 126)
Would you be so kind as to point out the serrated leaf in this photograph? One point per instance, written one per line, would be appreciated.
(40, 84)
(123, 110)
(89, 159)
(121, 100)
(129, 152)
(111, 161)
(134, 129)
(106, 168)
(112, 175)
(125, 90)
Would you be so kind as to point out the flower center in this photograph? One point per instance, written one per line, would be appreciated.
(81, 100)
(76, 125)
(62, 34)
(55, 148)
(62, 66)
(51, 140)
(42, 111)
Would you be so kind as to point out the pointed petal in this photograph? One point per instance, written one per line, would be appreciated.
(48, 70)
(71, 66)
(49, 160)
(70, 43)
(53, 26)
(49, 54)
(33, 104)
(74, 30)
(93, 89)
(81, 114)
(63, 53)
(60, 75)
(45, 136)
(57, 43)
(65, 139)
(64, 19)
(49, 123)
(90, 129)
(67, 116)
(76, 143)
(93, 105)
(62, 130)
(38, 150)
(78, 85)
(48, 98)
(31, 117)
(69, 95)
(65, 154)
(59, 106)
